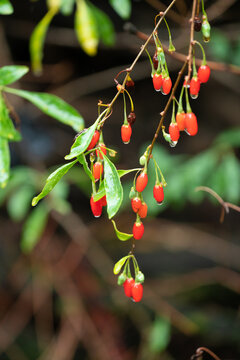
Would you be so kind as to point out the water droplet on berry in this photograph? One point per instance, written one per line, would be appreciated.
(163, 92)
(173, 143)
(126, 142)
(194, 96)
(186, 132)
(160, 203)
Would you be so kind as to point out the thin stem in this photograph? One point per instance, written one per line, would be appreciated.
(203, 52)
(202, 349)
(189, 57)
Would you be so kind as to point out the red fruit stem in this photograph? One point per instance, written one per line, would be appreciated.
(203, 52)
(189, 110)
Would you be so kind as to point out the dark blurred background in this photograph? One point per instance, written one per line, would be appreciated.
(61, 301)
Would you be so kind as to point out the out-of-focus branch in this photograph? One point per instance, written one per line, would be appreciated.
(200, 351)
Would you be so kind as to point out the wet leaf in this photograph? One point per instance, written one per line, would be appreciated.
(12, 73)
(118, 266)
(121, 236)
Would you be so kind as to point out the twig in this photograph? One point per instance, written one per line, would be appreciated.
(201, 350)
(190, 50)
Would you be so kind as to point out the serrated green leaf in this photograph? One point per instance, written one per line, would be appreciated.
(5, 7)
(52, 180)
(7, 129)
(19, 203)
(82, 141)
(113, 187)
(159, 335)
(53, 106)
(104, 25)
(118, 266)
(122, 7)
(121, 236)
(37, 40)
(86, 28)
(33, 228)
(66, 7)
(82, 159)
(230, 137)
(12, 73)
(4, 162)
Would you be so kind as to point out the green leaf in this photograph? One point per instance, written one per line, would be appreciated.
(82, 159)
(101, 192)
(7, 129)
(33, 228)
(121, 236)
(86, 28)
(11, 73)
(122, 7)
(52, 180)
(5, 7)
(20, 202)
(230, 137)
(37, 40)
(67, 7)
(104, 25)
(118, 266)
(231, 170)
(125, 172)
(113, 187)
(159, 335)
(53, 106)
(82, 141)
(220, 45)
(4, 162)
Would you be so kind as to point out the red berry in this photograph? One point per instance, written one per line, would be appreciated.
(128, 284)
(204, 73)
(142, 212)
(138, 230)
(174, 131)
(136, 204)
(96, 207)
(97, 170)
(157, 81)
(94, 140)
(104, 200)
(126, 132)
(137, 292)
(141, 182)
(158, 193)
(194, 86)
(191, 124)
(101, 147)
(180, 119)
(166, 85)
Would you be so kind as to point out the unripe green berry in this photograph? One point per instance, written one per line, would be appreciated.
(132, 193)
(142, 160)
(206, 28)
(139, 277)
(121, 279)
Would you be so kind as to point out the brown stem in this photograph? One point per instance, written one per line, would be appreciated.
(200, 350)
(191, 43)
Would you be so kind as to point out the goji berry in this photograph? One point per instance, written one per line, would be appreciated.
(131, 118)
(103, 149)
(138, 230)
(174, 131)
(141, 182)
(104, 200)
(96, 207)
(142, 212)
(204, 73)
(128, 284)
(180, 119)
(157, 81)
(97, 170)
(158, 193)
(137, 292)
(94, 140)
(166, 85)
(197, 23)
(191, 124)
(126, 132)
(194, 86)
(136, 204)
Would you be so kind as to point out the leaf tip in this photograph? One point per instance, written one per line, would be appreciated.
(34, 201)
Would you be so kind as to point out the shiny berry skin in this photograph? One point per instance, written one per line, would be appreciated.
(197, 24)
(96, 207)
(103, 149)
(194, 86)
(174, 131)
(136, 204)
(204, 73)
(141, 182)
(126, 132)
(142, 212)
(158, 193)
(94, 140)
(138, 230)
(180, 119)
(128, 284)
(166, 85)
(191, 124)
(131, 118)
(97, 170)
(137, 292)
(157, 81)
(155, 61)
(104, 200)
